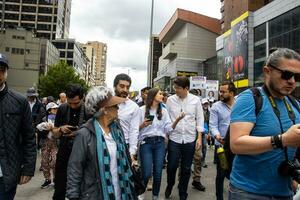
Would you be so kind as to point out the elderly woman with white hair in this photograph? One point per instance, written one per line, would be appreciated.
(99, 167)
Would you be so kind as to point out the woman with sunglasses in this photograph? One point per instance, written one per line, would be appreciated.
(155, 123)
(99, 167)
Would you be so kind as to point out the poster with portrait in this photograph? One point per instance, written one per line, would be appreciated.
(212, 90)
(198, 82)
(239, 35)
(228, 57)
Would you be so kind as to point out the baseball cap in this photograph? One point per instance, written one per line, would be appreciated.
(204, 100)
(51, 105)
(3, 60)
(31, 92)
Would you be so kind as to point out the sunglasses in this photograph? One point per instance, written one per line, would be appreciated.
(287, 75)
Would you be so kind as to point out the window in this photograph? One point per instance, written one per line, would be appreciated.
(44, 18)
(11, 16)
(45, 10)
(9, 7)
(260, 51)
(70, 54)
(7, 49)
(260, 32)
(31, 9)
(28, 17)
(62, 54)
(17, 51)
(70, 45)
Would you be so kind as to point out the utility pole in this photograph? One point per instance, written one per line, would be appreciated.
(149, 67)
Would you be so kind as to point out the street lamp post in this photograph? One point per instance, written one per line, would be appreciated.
(149, 67)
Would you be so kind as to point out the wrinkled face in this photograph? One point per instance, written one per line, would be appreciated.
(159, 97)
(75, 102)
(122, 89)
(180, 91)
(31, 98)
(62, 98)
(3, 75)
(278, 78)
(112, 112)
(225, 95)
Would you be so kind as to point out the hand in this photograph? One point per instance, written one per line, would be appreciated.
(65, 131)
(181, 116)
(24, 179)
(134, 161)
(146, 123)
(49, 126)
(292, 136)
(198, 143)
(219, 138)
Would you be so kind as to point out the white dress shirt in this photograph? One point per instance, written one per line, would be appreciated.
(158, 127)
(193, 122)
(128, 114)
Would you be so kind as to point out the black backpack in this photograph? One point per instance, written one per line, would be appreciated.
(258, 101)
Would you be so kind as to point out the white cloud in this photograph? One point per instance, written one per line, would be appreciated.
(125, 26)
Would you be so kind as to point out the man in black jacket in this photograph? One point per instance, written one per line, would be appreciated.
(17, 139)
(70, 116)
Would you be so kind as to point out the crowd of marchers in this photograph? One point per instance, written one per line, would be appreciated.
(104, 145)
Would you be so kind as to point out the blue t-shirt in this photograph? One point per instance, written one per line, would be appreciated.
(259, 173)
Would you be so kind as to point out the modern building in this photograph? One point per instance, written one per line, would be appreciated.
(156, 53)
(48, 18)
(243, 49)
(232, 9)
(100, 50)
(91, 69)
(188, 40)
(74, 56)
(29, 57)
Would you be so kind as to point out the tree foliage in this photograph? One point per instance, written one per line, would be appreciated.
(57, 78)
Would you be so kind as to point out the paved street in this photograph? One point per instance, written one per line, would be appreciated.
(32, 190)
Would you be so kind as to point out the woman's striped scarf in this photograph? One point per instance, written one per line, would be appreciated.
(124, 170)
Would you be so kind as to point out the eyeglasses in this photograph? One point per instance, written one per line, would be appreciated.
(287, 75)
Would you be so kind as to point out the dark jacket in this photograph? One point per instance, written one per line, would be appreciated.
(83, 169)
(17, 138)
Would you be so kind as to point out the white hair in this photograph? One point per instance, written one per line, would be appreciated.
(95, 95)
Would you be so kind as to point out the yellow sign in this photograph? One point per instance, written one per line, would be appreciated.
(240, 18)
(241, 83)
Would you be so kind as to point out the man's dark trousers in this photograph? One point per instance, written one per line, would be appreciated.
(183, 153)
(60, 181)
(6, 195)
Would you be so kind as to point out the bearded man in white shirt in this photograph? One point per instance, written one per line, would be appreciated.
(186, 137)
(128, 113)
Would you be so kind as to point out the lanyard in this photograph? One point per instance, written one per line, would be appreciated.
(277, 113)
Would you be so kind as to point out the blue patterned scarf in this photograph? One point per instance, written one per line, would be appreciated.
(124, 170)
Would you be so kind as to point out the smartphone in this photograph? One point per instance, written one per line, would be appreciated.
(73, 128)
(150, 118)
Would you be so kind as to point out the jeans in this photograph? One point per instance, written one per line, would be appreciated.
(60, 179)
(204, 149)
(185, 154)
(219, 178)
(152, 153)
(6, 195)
(238, 194)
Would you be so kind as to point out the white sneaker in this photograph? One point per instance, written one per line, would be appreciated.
(141, 197)
(154, 197)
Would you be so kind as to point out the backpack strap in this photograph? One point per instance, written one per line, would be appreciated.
(258, 100)
(294, 102)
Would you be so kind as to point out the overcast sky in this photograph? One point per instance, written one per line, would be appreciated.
(125, 26)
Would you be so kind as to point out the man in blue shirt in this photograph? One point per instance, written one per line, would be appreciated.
(261, 141)
(218, 123)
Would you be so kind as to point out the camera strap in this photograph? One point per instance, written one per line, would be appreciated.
(289, 109)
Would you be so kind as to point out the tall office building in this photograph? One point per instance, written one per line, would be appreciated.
(232, 9)
(90, 70)
(49, 18)
(100, 50)
(156, 53)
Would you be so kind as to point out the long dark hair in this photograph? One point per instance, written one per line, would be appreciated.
(150, 98)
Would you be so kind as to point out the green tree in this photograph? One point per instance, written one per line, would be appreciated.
(57, 78)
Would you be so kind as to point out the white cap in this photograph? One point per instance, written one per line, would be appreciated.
(51, 105)
(204, 100)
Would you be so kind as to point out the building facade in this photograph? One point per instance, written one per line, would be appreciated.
(156, 53)
(90, 70)
(29, 57)
(49, 19)
(275, 25)
(188, 40)
(73, 55)
(232, 9)
(100, 50)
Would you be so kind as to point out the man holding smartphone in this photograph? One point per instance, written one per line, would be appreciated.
(70, 116)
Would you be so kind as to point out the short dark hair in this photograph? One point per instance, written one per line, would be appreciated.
(74, 90)
(231, 86)
(182, 81)
(145, 88)
(122, 77)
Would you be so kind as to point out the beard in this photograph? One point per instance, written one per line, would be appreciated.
(121, 94)
(225, 99)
